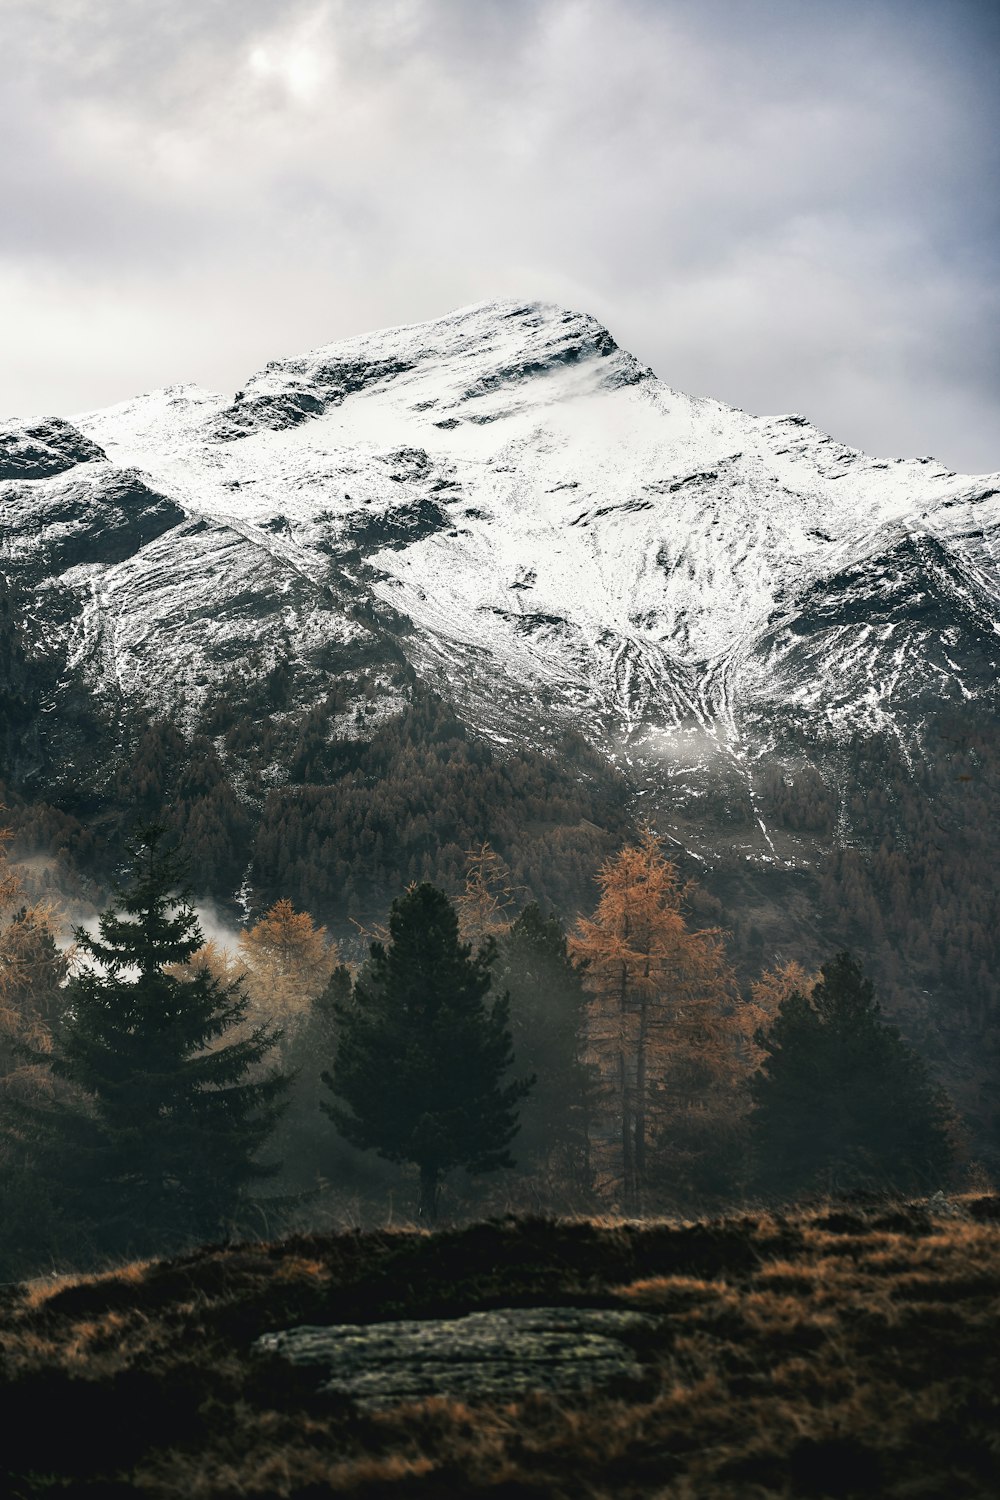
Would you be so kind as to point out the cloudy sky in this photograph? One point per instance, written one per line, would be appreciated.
(789, 204)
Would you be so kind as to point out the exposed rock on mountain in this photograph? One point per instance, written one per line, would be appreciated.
(548, 534)
(37, 450)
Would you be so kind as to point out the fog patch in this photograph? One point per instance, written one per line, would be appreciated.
(216, 927)
(688, 749)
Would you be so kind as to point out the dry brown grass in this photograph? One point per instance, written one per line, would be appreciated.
(40, 1288)
(841, 1351)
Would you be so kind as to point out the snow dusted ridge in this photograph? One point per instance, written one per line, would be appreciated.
(551, 534)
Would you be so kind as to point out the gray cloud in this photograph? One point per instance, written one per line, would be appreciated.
(790, 206)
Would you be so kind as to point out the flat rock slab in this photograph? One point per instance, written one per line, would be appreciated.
(503, 1353)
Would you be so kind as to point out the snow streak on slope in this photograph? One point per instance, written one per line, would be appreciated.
(553, 535)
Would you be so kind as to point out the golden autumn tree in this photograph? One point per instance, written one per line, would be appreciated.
(32, 971)
(663, 1024)
(769, 991)
(10, 881)
(214, 960)
(288, 961)
(487, 905)
(211, 958)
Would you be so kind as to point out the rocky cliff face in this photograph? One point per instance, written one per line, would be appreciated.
(548, 534)
(37, 450)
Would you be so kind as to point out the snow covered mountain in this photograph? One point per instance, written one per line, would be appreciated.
(550, 535)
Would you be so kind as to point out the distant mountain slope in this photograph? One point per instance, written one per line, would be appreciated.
(548, 534)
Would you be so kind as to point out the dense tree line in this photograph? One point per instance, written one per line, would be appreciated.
(331, 811)
(327, 809)
(897, 847)
(157, 1090)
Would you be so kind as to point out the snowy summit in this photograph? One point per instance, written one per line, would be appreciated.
(550, 534)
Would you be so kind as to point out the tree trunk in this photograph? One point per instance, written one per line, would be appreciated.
(430, 1183)
(628, 1167)
(639, 1149)
(628, 1159)
(587, 1175)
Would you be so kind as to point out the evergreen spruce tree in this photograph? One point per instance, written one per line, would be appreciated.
(161, 1147)
(840, 1100)
(421, 1053)
(548, 1012)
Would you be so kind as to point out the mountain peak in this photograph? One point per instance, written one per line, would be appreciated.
(472, 352)
(556, 537)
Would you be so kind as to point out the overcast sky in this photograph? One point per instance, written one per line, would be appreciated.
(791, 205)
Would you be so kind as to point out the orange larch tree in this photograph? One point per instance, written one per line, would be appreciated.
(488, 903)
(288, 962)
(769, 991)
(663, 1025)
(32, 971)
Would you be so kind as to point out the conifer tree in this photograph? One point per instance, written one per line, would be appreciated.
(841, 1101)
(421, 1053)
(486, 904)
(663, 1025)
(162, 1145)
(32, 973)
(337, 993)
(288, 961)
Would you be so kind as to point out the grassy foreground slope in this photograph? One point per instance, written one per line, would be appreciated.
(835, 1350)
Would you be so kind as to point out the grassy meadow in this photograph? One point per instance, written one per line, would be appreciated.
(842, 1349)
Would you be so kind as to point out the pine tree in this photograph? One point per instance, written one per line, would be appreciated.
(337, 993)
(841, 1101)
(421, 1054)
(162, 1146)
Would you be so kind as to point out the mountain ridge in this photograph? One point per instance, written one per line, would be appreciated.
(551, 536)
